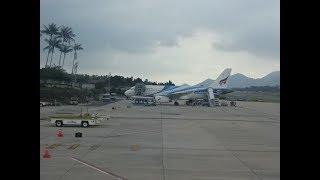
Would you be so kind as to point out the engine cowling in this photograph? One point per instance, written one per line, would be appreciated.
(162, 99)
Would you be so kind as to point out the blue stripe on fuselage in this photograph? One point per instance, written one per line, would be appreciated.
(173, 90)
(192, 88)
(200, 91)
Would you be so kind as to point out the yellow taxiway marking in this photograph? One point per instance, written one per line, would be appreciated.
(74, 146)
(52, 146)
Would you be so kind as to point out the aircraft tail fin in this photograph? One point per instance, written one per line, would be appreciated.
(222, 80)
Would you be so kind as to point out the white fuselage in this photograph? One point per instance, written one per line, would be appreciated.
(150, 90)
(153, 89)
(158, 90)
(193, 96)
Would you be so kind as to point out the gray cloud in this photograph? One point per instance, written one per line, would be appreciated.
(137, 25)
(122, 36)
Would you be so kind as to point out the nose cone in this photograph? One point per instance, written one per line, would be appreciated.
(127, 93)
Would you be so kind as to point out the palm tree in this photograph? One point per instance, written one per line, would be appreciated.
(50, 30)
(76, 47)
(48, 47)
(53, 43)
(66, 34)
(65, 49)
(60, 49)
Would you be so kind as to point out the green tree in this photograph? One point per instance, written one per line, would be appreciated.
(100, 85)
(76, 47)
(65, 49)
(169, 83)
(53, 43)
(55, 73)
(50, 30)
(66, 34)
(138, 80)
(49, 49)
(59, 48)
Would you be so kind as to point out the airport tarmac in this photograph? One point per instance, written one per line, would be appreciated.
(166, 142)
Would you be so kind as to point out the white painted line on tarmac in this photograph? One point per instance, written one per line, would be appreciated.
(98, 169)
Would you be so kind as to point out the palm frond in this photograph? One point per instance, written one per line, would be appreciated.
(50, 30)
(66, 34)
(77, 47)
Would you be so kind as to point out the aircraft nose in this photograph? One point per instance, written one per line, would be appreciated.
(126, 93)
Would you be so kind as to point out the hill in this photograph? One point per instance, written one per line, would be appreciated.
(241, 81)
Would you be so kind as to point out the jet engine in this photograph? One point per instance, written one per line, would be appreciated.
(162, 99)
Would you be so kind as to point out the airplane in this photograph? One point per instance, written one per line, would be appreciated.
(149, 90)
(204, 90)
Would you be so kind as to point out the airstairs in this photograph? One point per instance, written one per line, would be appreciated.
(211, 98)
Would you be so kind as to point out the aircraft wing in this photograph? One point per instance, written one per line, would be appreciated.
(142, 97)
(170, 91)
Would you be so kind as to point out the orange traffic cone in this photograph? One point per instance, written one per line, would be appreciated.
(60, 133)
(46, 153)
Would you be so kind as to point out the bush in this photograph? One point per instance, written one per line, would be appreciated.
(222, 97)
(100, 85)
(63, 95)
(55, 73)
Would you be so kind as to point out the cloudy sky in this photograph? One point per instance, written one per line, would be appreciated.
(184, 41)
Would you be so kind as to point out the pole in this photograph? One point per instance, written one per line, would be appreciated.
(87, 107)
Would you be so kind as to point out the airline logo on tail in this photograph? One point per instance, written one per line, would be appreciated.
(223, 81)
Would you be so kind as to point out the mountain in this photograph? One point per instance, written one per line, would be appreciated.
(239, 80)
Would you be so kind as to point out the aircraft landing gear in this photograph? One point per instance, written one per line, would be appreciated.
(176, 103)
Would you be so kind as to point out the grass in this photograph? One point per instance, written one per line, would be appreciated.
(255, 96)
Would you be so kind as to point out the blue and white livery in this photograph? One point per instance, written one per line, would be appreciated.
(203, 90)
